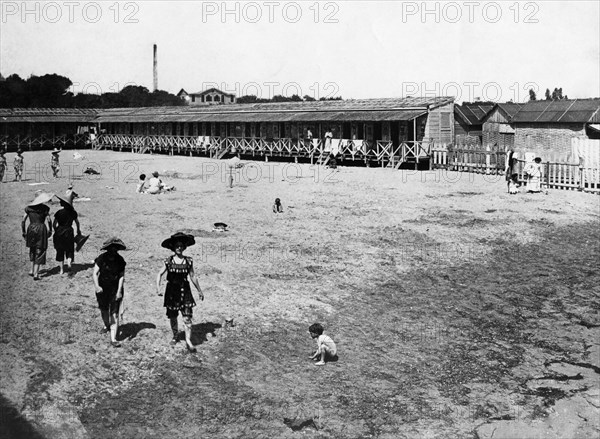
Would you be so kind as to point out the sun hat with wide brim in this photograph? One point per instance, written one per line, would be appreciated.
(116, 242)
(80, 240)
(56, 151)
(187, 240)
(67, 199)
(41, 198)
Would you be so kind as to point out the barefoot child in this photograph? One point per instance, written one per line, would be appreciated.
(178, 294)
(109, 276)
(325, 346)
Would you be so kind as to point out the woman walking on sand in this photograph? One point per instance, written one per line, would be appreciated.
(64, 238)
(37, 233)
(178, 294)
(109, 276)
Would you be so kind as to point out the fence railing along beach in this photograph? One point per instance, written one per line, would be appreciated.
(579, 169)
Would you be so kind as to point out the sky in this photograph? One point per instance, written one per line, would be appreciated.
(355, 49)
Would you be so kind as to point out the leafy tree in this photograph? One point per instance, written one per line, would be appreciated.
(548, 96)
(532, 96)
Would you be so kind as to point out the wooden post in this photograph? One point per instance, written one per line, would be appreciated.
(547, 169)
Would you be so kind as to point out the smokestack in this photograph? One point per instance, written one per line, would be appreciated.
(155, 70)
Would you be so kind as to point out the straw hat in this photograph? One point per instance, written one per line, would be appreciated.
(67, 199)
(114, 241)
(187, 240)
(56, 151)
(41, 198)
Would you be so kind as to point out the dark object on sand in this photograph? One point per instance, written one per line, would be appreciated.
(80, 241)
(91, 171)
(220, 227)
(299, 424)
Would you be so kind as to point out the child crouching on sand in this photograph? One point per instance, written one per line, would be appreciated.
(326, 349)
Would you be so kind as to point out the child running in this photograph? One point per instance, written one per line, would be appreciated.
(325, 346)
(178, 294)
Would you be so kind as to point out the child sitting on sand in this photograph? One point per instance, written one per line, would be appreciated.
(325, 346)
(140, 186)
(277, 207)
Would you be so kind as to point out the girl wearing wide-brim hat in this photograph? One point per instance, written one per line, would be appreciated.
(55, 162)
(178, 294)
(37, 233)
(64, 238)
(109, 277)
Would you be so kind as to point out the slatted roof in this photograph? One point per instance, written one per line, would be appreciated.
(510, 108)
(48, 114)
(342, 110)
(473, 113)
(561, 111)
(349, 110)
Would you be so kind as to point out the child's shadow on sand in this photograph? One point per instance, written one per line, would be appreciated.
(75, 268)
(129, 331)
(200, 330)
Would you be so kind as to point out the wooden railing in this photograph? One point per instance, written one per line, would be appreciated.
(485, 161)
(31, 143)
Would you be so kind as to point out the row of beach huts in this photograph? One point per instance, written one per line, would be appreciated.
(423, 132)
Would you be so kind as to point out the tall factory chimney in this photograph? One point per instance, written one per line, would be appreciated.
(155, 70)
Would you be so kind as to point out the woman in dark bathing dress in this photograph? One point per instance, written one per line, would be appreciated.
(37, 233)
(64, 239)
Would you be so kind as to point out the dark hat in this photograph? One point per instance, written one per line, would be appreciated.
(155, 174)
(187, 240)
(19, 151)
(114, 241)
(537, 159)
(221, 226)
(80, 240)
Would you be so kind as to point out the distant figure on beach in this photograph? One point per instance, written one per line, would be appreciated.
(141, 183)
(156, 186)
(70, 193)
(513, 184)
(178, 294)
(2, 165)
(326, 349)
(511, 161)
(109, 276)
(37, 233)
(327, 140)
(277, 207)
(64, 238)
(55, 162)
(19, 164)
(533, 171)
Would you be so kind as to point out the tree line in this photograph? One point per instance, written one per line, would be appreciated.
(53, 91)
(556, 95)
